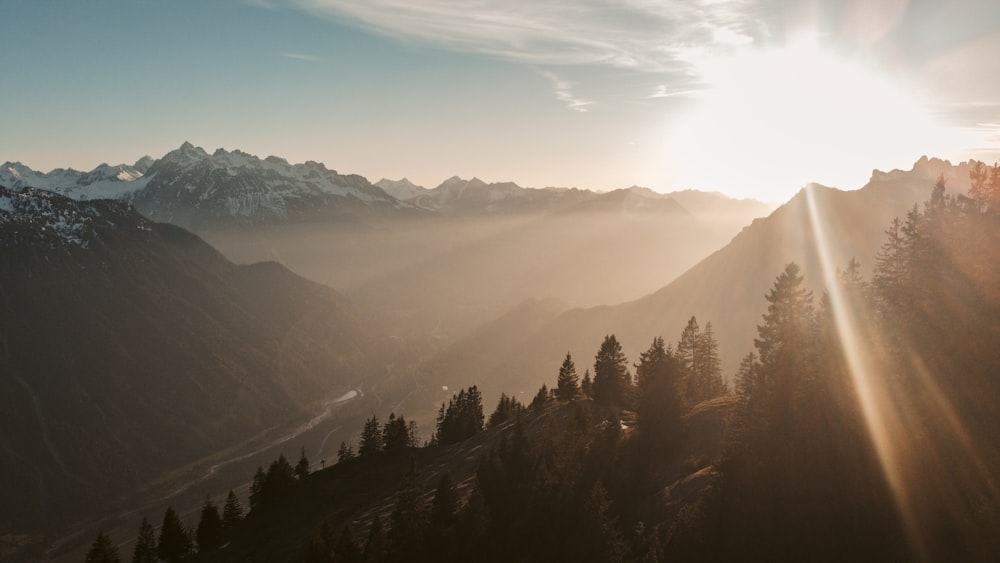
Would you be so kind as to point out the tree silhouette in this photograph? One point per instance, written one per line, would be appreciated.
(103, 550)
(567, 386)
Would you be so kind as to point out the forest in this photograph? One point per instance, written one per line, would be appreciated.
(861, 427)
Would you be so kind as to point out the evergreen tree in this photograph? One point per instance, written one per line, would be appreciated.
(145, 544)
(746, 377)
(257, 488)
(587, 386)
(541, 398)
(463, 417)
(371, 437)
(232, 512)
(347, 549)
(209, 531)
(567, 386)
(398, 434)
(658, 381)
(279, 480)
(407, 521)
(602, 542)
(611, 378)
(687, 353)
(302, 467)
(375, 545)
(709, 367)
(103, 550)
(345, 452)
(175, 542)
(507, 409)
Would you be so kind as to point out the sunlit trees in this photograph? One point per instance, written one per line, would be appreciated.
(612, 381)
(658, 382)
(567, 385)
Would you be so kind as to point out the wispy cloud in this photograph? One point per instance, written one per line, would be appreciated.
(563, 91)
(300, 57)
(645, 35)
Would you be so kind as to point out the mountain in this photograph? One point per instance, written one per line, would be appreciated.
(457, 196)
(403, 190)
(129, 348)
(102, 182)
(726, 288)
(191, 188)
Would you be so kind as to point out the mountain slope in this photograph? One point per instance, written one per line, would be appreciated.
(131, 347)
(726, 288)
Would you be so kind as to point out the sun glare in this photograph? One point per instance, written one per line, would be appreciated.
(773, 120)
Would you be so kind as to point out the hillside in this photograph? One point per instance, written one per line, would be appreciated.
(723, 288)
(131, 347)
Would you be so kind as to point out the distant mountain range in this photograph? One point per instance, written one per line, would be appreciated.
(129, 348)
(194, 189)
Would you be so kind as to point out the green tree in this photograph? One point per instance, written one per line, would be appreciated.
(567, 386)
(345, 452)
(658, 381)
(587, 386)
(175, 541)
(302, 467)
(611, 378)
(371, 437)
(145, 544)
(232, 511)
(103, 550)
(209, 531)
(397, 434)
(507, 409)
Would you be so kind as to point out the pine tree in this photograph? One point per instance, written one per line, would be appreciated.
(611, 378)
(398, 434)
(279, 480)
(658, 381)
(257, 488)
(145, 544)
(567, 386)
(103, 550)
(371, 437)
(687, 353)
(507, 409)
(302, 467)
(709, 367)
(602, 542)
(541, 398)
(587, 386)
(232, 512)
(463, 417)
(345, 452)
(209, 531)
(175, 542)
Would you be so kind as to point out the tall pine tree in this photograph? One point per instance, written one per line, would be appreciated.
(567, 386)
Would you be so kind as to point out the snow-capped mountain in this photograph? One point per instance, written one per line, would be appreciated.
(104, 181)
(30, 216)
(192, 188)
(403, 190)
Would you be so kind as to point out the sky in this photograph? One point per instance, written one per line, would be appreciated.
(754, 98)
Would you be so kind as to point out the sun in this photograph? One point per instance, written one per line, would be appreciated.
(771, 120)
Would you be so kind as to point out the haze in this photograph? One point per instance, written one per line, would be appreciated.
(750, 98)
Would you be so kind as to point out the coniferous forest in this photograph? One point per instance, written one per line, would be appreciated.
(861, 427)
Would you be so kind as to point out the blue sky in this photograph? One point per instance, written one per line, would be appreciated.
(750, 98)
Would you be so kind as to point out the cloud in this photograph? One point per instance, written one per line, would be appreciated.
(644, 35)
(300, 57)
(563, 91)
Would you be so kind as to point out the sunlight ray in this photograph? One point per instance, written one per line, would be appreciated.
(882, 422)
